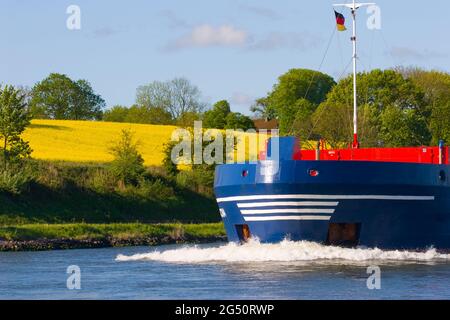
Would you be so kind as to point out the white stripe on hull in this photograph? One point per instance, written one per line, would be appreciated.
(287, 203)
(268, 211)
(273, 218)
(323, 197)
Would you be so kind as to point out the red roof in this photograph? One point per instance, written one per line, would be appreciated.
(263, 124)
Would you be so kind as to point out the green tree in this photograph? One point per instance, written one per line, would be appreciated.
(403, 128)
(301, 123)
(116, 114)
(168, 164)
(128, 164)
(434, 84)
(295, 85)
(380, 88)
(152, 115)
(87, 104)
(216, 117)
(379, 93)
(138, 114)
(187, 119)
(440, 122)
(14, 118)
(333, 123)
(236, 120)
(262, 109)
(59, 97)
(436, 88)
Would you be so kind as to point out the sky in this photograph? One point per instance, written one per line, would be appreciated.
(230, 49)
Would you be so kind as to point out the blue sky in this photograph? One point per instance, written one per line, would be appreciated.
(232, 50)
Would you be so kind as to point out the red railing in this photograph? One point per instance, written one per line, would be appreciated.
(429, 155)
(411, 155)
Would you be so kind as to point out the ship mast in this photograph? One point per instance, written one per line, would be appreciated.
(353, 7)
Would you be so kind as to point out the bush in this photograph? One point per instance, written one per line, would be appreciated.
(48, 174)
(200, 181)
(170, 167)
(101, 180)
(15, 181)
(155, 189)
(128, 164)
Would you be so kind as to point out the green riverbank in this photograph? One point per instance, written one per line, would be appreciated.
(33, 237)
(72, 205)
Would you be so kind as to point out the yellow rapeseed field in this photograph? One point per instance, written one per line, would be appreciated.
(89, 141)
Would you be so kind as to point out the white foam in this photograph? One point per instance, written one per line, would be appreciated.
(285, 251)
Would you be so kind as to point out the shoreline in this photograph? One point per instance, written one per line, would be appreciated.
(41, 237)
(67, 244)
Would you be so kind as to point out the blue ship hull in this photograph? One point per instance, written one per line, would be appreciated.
(385, 204)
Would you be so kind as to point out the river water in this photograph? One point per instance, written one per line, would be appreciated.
(288, 270)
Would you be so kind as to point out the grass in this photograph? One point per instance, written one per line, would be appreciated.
(125, 231)
(75, 193)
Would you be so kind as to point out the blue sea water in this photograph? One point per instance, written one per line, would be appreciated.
(290, 270)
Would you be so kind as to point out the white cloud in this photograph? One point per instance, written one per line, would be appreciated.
(291, 40)
(208, 36)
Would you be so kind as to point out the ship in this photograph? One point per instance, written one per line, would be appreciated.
(389, 198)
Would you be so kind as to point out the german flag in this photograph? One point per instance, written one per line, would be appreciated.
(340, 21)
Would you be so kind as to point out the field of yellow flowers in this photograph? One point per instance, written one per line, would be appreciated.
(89, 141)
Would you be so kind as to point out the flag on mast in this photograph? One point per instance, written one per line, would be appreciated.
(340, 21)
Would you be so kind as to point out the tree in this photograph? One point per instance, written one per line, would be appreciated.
(142, 114)
(434, 84)
(262, 109)
(88, 105)
(14, 118)
(403, 128)
(380, 88)
(177, 97)
(294, 85)
(295, 117)
(116, 114)
(138, 114)
(300, 84)
(216, 117)
(128, 164)
(333, 123)
(187, 119)
(382, 96)
(301, 123)
(436, 88)
(158, 115)
(168, 164)
(440, 123)
(236, 120)
(59, 97)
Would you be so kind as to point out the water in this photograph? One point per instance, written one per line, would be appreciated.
(289, 270)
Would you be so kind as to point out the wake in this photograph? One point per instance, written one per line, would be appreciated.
(285, 251)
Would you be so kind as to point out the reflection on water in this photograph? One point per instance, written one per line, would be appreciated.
(290, 270)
